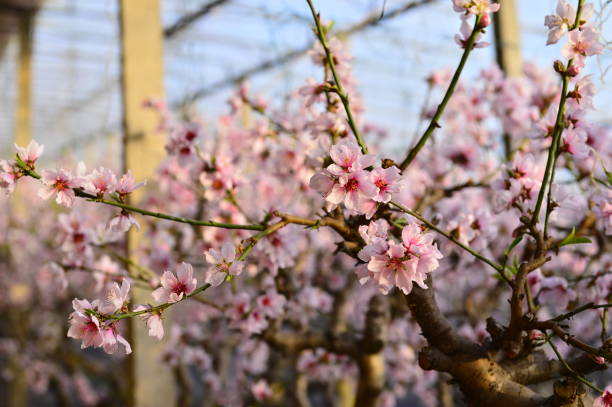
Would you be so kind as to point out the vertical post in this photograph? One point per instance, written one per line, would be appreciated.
(507, 39)
(18, 392)
(151, 382)
(23, 117)
(508, 51)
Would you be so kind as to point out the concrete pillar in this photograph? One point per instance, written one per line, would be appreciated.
(152, 383)
(507, 39)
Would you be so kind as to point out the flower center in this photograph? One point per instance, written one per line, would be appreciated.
(352, 185)
(580, 48)
(179, 288)
(61, 184)
(395, 263)
(381, 184)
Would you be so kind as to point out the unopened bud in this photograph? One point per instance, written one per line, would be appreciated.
(387, 163)
(559, 67)
(485, 21)
(572, 70)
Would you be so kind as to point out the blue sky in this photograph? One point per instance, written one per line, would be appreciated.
(76, 97)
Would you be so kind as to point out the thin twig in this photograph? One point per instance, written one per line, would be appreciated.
(344, 98)
(447, 96)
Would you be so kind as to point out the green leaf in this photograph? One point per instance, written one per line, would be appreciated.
(573, 239)
(609, 175)
(514, 243)
(512, 269)
(497, 276)
(602, 182)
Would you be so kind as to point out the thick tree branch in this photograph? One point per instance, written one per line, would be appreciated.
(370, 358)
(481, 379)
(537, 368)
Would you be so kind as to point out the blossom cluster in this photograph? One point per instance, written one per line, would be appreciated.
(86, 322)
(482, 10)
(391, 264)
(351, 180)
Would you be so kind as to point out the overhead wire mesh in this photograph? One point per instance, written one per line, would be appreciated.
(76, 76)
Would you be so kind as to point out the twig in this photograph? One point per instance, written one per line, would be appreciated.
(344, 98)
(447, 235)
(449, 92)
(93, 198)
(572, 371)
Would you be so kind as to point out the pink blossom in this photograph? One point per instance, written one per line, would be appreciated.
(271, 303)
(315, 298)
(256, 322)
(520, 185)
(224, 263)
(466, 31)
(407, 262)
(85, 326)
(105, 270)
(313, 92)
(116, 297)
(322, 182)
(375, 237)
(181, 145)
(475, 7)
(52, 279)
(554, 291)
(86, 393)
(385, 179)
(175, 286)
(324, 366)
(536, 335)
(558, 24)
(581, 44)
(239, 306)
(196, 357)
(348, 158)
(600, 360)
(354, 190)
(112, 340)
(440, 77)
(122, 222)
(574, 142)
(74, 234)
(31, 153)
(219, 180)
(91, 331)
(376, 247)
(583, 93)
(603, 210)
(9, 174)
(60, 182)
(280, 248)
(127, 184)
(375, 230)
(101, 181)
(153, 321)
(338, 50)
(605, 400)
(261, 390)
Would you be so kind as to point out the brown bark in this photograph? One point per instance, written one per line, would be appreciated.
(482, 380)
(370, 358)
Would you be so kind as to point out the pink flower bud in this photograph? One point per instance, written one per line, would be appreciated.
(573, 70)
(485, 21)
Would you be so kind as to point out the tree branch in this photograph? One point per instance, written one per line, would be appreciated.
(434, 123)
